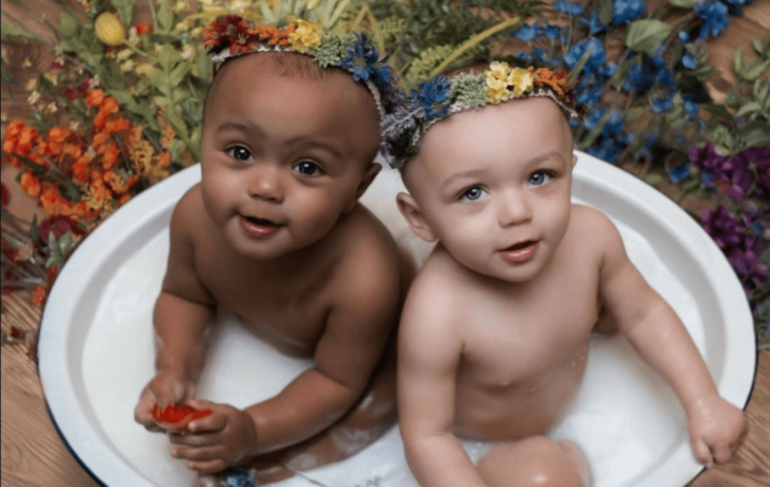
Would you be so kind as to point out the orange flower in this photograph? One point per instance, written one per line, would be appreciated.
(19, 139)
(108, 106)
(98, 195)
(168, 135)
(116, 125)
(118, 183)
(100, 138)
(164, 159)
(109, 154)
(30, 184)
(80, 169)
(555, 81)
(51, 200)
(94, 98)
(72, 150)
(57, 135)
(38, 297)
(143, 28)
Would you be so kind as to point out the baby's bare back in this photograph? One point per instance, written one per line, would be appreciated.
(286, 304)
(525, 347)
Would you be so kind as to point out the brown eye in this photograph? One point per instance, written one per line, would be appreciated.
(308, 168)
(239, 152)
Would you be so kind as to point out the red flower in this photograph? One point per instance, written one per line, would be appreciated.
(38, 297)
(177, 417)
(58, 225)
(143, 28)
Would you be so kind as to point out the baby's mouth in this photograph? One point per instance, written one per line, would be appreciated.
(520, 252)
(259, 227)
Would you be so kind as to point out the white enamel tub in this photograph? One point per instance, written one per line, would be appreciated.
(96, 348)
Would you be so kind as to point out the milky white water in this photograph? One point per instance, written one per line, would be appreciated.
(624, 417)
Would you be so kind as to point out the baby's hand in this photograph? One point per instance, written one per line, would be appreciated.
(217, 441)
(717, 429)
(165, 388)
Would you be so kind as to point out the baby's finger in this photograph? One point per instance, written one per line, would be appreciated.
(209, 424)
(210, 466)
(197, 454)
(206, 439)
(722, 453)
(702, 453)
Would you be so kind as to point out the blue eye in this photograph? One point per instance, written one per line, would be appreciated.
(539, 178)
(308, 168)
(474, 194)
(239, 152)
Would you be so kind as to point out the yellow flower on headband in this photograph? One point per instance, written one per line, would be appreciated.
(305, 36)
(497, 82)
(521, 80)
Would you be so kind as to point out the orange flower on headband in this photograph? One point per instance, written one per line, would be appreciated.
(556, 81)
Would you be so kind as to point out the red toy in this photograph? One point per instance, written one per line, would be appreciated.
(177, 417)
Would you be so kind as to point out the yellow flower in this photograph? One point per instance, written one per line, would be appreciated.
(31, 84)
(109, 29)
(51, 77)
(124, 54)
(26, 63)
(127, 66)
(145, 69)
(497, 92)
(187, 52)
(34, 97)
(498, 71)
(305, 36)
(522, 81)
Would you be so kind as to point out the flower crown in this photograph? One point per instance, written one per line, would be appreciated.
(441, 97)
(233, 35)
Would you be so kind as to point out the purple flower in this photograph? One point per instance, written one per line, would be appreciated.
(569, 8)
(726, 231)
(626, 11)
(714, 18)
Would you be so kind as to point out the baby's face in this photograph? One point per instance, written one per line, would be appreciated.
(493, 185)
(284, 156)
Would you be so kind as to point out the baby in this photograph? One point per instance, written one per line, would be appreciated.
(274, 233)
(518, 281)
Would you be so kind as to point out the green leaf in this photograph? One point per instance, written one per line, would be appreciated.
(634, 114)
(689, 4)
(165, 16)
(690, 185)
(748, 108)
(13, 31)
(718, 111)
(653, 179)
(168, 57)
(33, 229)
(620, 72)
(722, 139)
(646, 35)
(178, 73)
(65, 242)
(606, 11)
(68, 25)
(125, 10)
(578, 68)
(759, 137)
(759, 47)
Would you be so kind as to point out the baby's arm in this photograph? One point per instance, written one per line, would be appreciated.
(429, 352)
(182, 313)
(657, 334)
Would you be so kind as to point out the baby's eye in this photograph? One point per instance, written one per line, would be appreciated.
(539, 178)
(308, 168)
(473, 194)
(239, 152)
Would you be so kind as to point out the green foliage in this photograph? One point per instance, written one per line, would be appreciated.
(7, 30)
(646, 35)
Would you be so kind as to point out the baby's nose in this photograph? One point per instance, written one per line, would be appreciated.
(265, 183)
(514, 209)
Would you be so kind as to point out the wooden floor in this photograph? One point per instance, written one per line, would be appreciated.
(33, 455)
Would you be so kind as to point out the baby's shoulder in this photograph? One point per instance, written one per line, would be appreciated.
(189, 214)
(439, 288)
(591, 226)
(368, 258)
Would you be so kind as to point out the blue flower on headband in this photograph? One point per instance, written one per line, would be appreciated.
(432, 97)
(382, 75)
(361, 60)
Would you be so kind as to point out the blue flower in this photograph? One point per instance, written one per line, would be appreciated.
(677, 174)
(650, 140)
(691, 107)
(688, 60)
(589, 91)
(238, 478)
(383, 75)
(626, 11)
(614, 126)
(607, 150)
(714, 18)
(733, 6)
(569, 8)
(595, 60)
(524, 56)
(432, 97)
(545, 29)
(361, 60)
(593, 23)
(666, 84)
(526, 33)
(662, 104)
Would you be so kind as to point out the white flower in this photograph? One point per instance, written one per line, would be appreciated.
(31, 84)
(34, 97)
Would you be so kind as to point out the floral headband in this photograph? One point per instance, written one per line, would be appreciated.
(232, 36)
(441, 97)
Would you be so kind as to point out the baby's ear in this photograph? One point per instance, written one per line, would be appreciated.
(574, 160)
(366, 181)
(414, 217)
